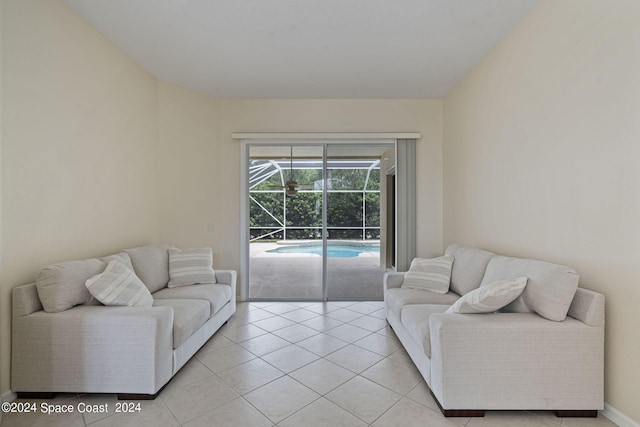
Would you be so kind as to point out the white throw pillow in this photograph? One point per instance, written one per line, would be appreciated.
(432, 275)
(190, 267)
(118, 285)
(490, 298)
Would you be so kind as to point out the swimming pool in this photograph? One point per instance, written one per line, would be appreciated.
(333, 251)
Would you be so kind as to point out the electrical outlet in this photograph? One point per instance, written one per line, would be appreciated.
(210, 228)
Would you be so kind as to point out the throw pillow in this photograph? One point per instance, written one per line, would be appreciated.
(190, 267)
(118, 285)
(490, 298)
(550, 287)
(429, 274)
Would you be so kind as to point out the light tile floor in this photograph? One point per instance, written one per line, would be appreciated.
(292, 365)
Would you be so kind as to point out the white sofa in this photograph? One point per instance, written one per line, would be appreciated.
(81, 346)
(517, 360)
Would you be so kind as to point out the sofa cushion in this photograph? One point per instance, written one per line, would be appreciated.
(151, 264)
(468, 268)
(118, 285)
(61, 286)
(397, 298)
(188, 316)
(431, 275)
(122, 257)
(491, 297)
(217, 295)
(415, 318)
(190, 266)
(550, 287)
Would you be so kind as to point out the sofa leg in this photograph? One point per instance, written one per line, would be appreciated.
(458, 412)
(462, 413)
(577, 414)
(135, 396)
(35, 395)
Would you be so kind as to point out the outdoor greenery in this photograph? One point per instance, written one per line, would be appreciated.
(345, 207)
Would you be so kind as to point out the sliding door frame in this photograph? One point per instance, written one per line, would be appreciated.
(406, 206)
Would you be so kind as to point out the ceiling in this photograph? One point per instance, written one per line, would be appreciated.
(307, 48)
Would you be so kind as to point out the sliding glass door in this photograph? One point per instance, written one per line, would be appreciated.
(353, 222)
(285, 222)
(314, 221)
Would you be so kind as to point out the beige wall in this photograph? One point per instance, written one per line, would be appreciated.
(541, 160)
(99, 155)
(199, 162)
(191, 186)
(79, 127)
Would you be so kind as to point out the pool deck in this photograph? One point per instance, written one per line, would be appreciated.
(299, 276)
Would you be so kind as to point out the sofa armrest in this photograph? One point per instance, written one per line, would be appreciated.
(93, 349)
(393, 279)
(229, 277)
(25, 300)
(226, 277)
(520, 360)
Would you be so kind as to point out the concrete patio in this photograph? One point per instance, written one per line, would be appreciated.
(299, 276)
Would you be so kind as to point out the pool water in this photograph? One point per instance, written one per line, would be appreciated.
(333, 251)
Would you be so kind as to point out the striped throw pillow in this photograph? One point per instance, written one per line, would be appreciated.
(190, 267)
(490, 298)
(432, 275)
(118, 285)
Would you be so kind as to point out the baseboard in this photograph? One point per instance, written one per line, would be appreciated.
(617, 417)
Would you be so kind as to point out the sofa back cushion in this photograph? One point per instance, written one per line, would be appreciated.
(122, 257)
(550, 287)
(468, 268)
(62, 285)
(151, 265)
